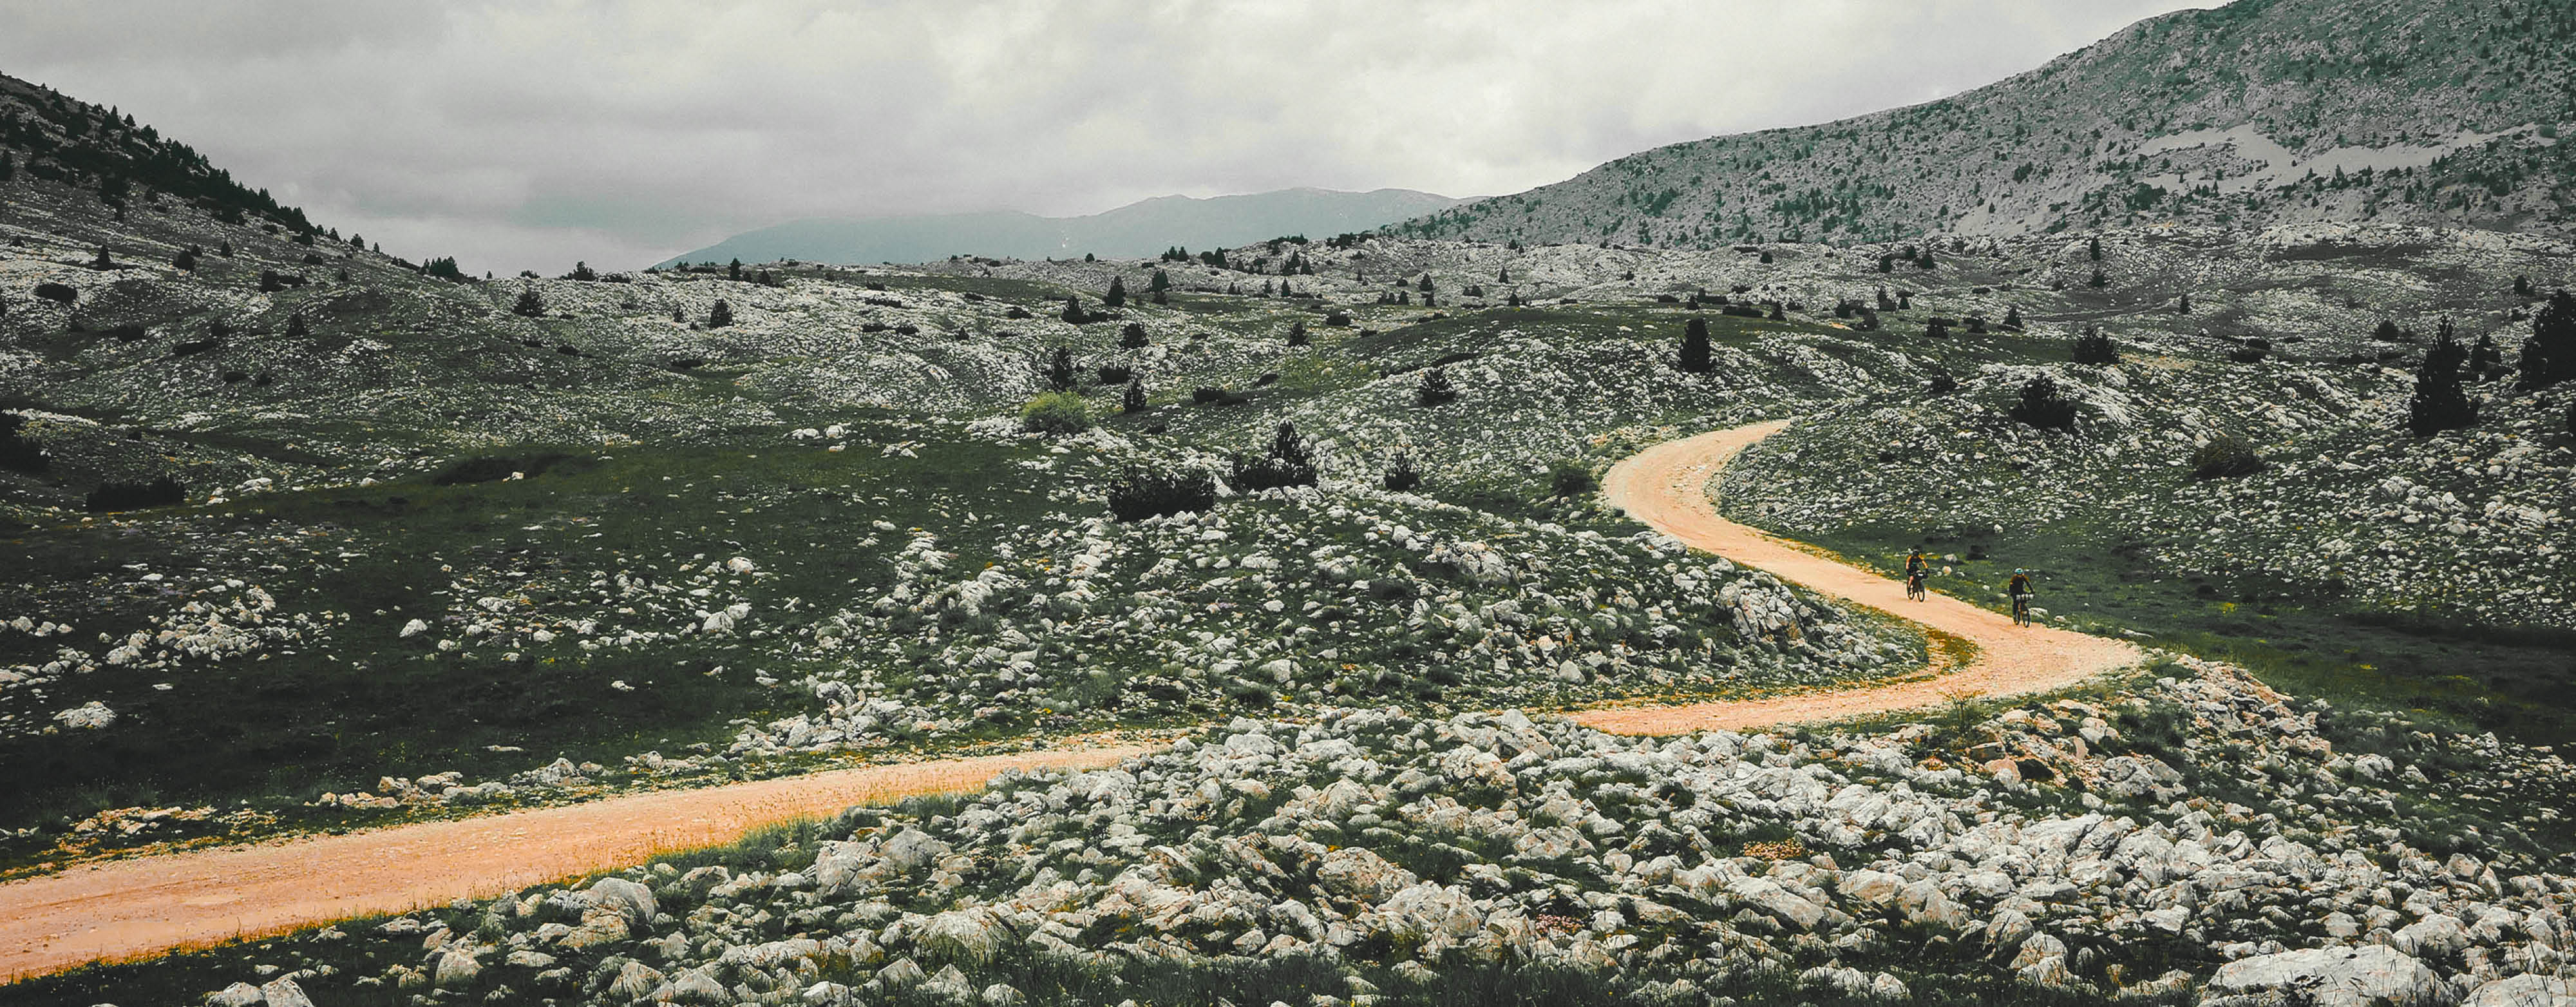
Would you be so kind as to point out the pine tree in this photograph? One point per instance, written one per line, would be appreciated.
(581, 271)
(186, 261)
(1073, 312)
(1117, 295)
(295, 327)
(1297, 333)
(529, 305)
(2012, 317)
(1435, 389)
(720, 316)
(1401, 476)
(2521, 284)
(1162, 281)
(2484, 358)
(2093, 248)
(1695, 349)
(1134, 400)
(1425, 286)
(2095, 347)
(2439, 403)
(2182, 305)
(1059, 370)
(1131, 336)
(102, 263)
(734, 272)
(2097, 280)
(8, 166)
(2041, 406)
(2549, 356)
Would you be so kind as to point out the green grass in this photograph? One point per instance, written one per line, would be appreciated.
(335, 717)
(2300, 642)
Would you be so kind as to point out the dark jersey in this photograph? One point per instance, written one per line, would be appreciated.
(2020, 585)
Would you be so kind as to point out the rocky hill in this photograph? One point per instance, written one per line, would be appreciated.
(301, 537)
(2440, 112)
(1138, 229)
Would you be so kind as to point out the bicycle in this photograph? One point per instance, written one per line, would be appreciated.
(2021, 609)
(1914, 585)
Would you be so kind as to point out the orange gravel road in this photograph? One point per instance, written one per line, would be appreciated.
(1668, 486)
(152, 904)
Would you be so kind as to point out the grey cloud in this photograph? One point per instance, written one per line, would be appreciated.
(527, 136)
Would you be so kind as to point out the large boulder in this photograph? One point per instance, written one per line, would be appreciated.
(237, 995)
(283, 992)
(1360, 874)
(628, 898)
(2370, 975)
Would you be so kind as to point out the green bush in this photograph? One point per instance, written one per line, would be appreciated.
(1056, 413)
(2226, 456)
(1570, 478)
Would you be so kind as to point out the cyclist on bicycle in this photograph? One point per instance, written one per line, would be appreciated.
(1916, 568)
(2021, 591)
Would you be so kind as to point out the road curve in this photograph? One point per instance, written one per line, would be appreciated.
(1667, 487)
(154, 904)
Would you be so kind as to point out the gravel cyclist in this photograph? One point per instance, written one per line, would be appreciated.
(2021, 591)
(1917, 567)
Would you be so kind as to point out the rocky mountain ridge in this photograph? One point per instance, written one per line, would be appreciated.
(2261, 112)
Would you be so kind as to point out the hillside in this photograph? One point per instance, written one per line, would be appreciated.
(2262, 112)
(304, 538)
(1138, 229)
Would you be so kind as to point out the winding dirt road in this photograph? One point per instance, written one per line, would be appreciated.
(1667, 486)
(152, 904)
(148, 905)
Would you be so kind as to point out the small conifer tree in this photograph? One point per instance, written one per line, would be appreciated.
(2043, 407)
(529, 304)
(1401, 476)
(2549, 355)
(1695, 348)
(2095, 347)
(720, 316)
(1131, 336)
(1134, 399)
(2439, 402)
(1435, 389)
(1059, 370)
(1117, 295)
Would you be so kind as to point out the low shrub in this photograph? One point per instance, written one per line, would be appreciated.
(1401, 476)
(1116, 374)
(494, 468)
(17, 453)
(2225, 456)
(124, 496)
(1155, 494)
(58, 293)
(1056, 413)
(1567, 478)
(2041, 406)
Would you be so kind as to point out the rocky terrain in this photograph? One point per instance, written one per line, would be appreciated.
(2250, 114)
(2192, 835)
(305, 536)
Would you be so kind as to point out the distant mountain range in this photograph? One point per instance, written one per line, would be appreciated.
(1137, 229)
(2439, 112)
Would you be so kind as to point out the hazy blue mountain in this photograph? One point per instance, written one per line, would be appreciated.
(1141, 228)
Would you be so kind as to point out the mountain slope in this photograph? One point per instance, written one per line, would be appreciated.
(2263, 111)
(1137, 229)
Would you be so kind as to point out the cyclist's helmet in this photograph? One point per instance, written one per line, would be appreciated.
(2017, 571)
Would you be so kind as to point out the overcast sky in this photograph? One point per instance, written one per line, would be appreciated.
(531, 134)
